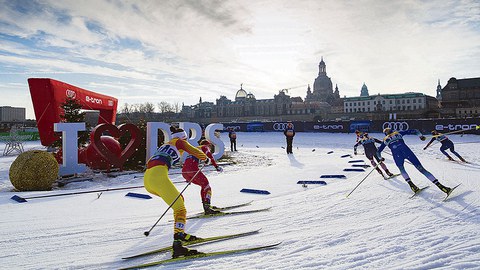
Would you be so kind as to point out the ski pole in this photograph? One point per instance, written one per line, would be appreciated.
(453, 132)
(378, 164)
(146, 233)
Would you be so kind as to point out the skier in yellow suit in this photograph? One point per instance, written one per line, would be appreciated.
(157, 182)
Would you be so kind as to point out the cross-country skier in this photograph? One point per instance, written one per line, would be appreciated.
(157, 182)
(446, 144)
(289, 133)
(190, 170)
(400, 152)
(370, 150)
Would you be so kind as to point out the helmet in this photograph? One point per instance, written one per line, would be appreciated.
(204, 142)
(179, 133)
(387, 131)
(434, 132)
(357, 131)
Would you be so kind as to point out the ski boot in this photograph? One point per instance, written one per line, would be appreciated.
(180, 251)
(388, 173)
(413, 186)
(185, 237)
(209, 210)
(463, 160)
(443, 188)
(450, 158)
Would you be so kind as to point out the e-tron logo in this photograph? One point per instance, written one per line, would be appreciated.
(452, 127)
(328, 127)
(70, 93)
(280, 126)
(93, 100)
(398, 126)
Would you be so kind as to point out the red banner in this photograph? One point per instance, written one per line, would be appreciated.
(48, 95)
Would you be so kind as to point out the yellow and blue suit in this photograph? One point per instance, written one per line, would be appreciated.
(156, 178)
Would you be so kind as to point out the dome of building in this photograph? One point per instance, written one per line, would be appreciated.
(241, 94)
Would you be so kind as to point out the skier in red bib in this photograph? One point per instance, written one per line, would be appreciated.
(190, 169)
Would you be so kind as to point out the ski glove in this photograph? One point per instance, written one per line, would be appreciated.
(207, 161)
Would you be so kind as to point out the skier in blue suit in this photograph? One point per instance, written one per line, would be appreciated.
(400, 152)
(446, 144)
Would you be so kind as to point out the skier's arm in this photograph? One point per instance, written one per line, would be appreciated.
(428, 144)
(184, 145)
(209, 154)
(413, 132)
(355, 148)
(379, 151)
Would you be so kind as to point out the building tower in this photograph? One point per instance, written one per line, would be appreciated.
(364, 91)
(322, 86)
(439, 91)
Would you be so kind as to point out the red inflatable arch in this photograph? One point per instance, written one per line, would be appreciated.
(48, 95)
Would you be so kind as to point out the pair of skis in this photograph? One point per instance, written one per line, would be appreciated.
(205, 241)
(203, 255)
(448, 196)
(423, 188)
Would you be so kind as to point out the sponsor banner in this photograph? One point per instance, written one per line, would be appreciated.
(281, 126)
(326, 126)
(48, 96)
(396, 125)
(236, 126)
(424, 125)
(363, 126)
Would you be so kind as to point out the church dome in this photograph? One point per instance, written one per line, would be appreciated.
(241, 94)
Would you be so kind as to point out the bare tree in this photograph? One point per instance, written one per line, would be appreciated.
(135, 108)
(176, 107)
(148, 107)
(164, 107)
(126, 109)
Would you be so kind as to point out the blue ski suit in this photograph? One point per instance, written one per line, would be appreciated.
(400, 152)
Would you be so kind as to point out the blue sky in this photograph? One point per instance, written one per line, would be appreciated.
(179, 51)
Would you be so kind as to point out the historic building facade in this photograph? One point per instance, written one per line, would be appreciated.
(460, 97)
(245, 106)
(406, 105)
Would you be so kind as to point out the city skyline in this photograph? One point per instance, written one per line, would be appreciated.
(179, 51)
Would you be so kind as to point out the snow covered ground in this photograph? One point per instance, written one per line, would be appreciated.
(376, 227)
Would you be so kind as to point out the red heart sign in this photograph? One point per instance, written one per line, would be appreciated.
(135, 141)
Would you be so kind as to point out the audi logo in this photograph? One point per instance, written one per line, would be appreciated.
(280, 126)
(398, 126)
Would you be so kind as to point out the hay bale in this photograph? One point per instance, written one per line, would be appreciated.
(34, 170)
